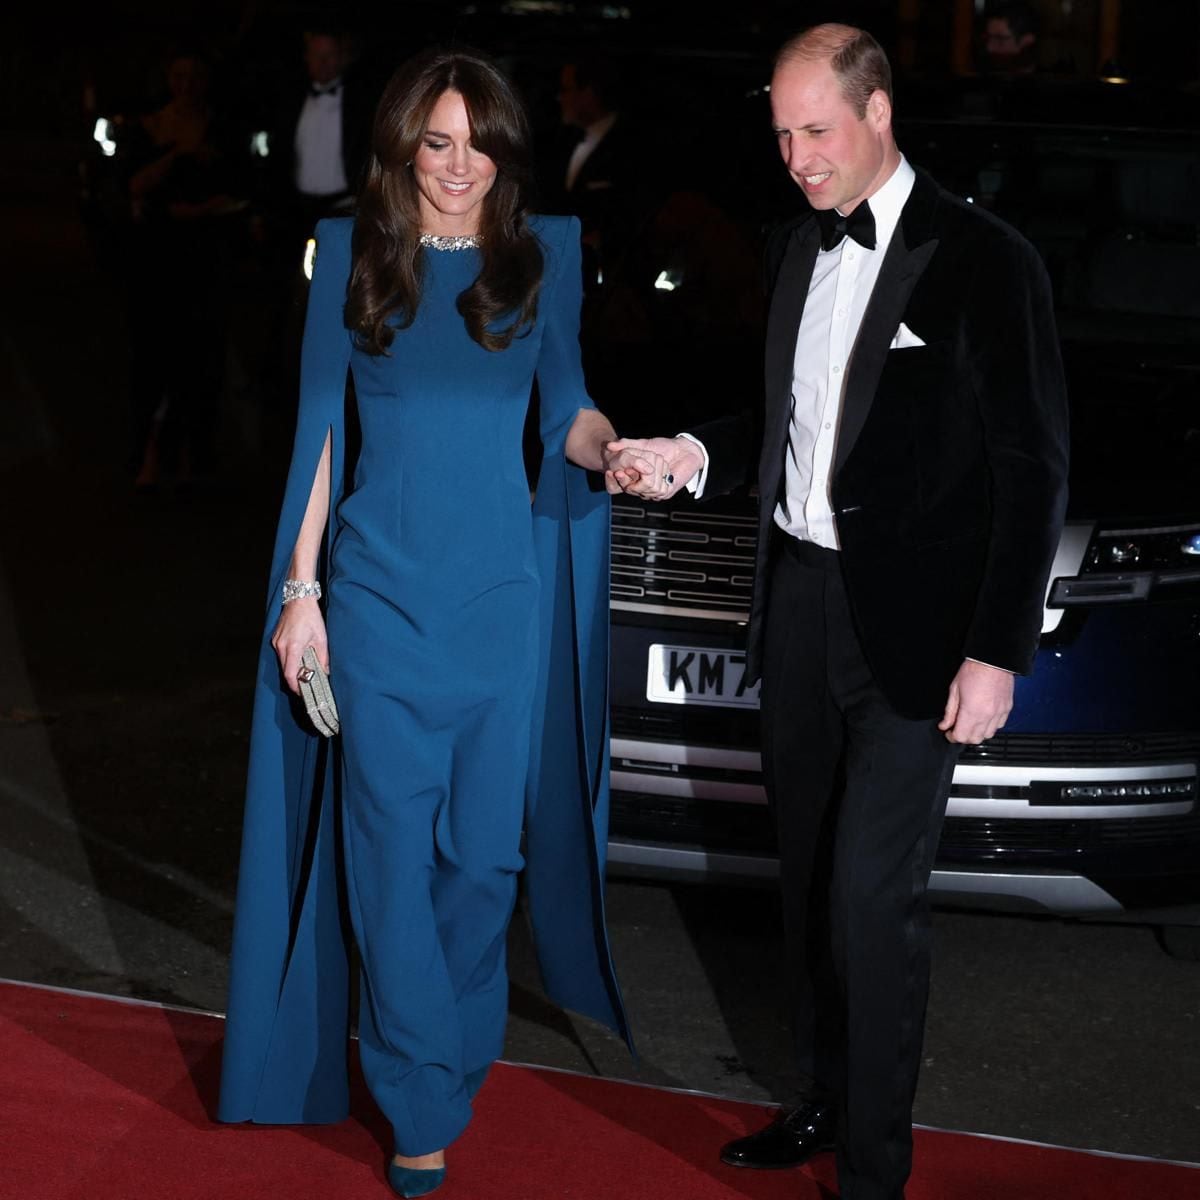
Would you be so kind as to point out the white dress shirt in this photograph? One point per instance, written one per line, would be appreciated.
(593, 135)
(319, 169)
(842, 282)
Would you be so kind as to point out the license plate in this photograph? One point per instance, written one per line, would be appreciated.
(698, 675)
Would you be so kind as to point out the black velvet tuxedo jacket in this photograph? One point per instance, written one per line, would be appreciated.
(949, 480)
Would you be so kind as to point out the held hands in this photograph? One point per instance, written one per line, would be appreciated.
(629, 468)
(300, 626)
(981, 697)
(669, 464)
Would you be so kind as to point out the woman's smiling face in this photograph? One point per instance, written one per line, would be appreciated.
(452, 176)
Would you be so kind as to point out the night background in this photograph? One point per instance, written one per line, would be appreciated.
(132, 575)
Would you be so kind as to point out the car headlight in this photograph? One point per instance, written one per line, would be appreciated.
(1154, 548)
(1156, 562)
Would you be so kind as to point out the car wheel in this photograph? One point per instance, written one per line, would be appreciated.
(1180, 941)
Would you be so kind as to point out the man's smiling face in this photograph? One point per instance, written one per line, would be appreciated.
(835, 156)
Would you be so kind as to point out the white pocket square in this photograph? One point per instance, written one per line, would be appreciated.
(905, 338)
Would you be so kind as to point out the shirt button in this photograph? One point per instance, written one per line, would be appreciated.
(837, 370)
(828, 425)
(850, 256)
(841, 312)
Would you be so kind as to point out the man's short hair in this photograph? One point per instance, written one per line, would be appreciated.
(1020, 17)
(857, 59)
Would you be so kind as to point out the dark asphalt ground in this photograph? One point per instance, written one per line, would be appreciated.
(128, 630)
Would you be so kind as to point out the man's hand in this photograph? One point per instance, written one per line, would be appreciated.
(633, 470)
(681, 459)
(980, 700)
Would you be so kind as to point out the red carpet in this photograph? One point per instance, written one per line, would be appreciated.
(110, 1101)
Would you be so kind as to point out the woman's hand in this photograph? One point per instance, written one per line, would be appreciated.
(636, 471)
(300, 626)
(629, 466)
(673, 461)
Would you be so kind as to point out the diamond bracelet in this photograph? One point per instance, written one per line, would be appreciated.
(297, 589)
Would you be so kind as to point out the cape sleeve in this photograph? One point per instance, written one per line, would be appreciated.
(285, 1036)
(567, 798)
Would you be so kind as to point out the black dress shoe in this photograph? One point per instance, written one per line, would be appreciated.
(792, 1138)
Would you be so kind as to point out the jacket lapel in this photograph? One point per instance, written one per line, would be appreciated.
(907, 256)
(783, 324)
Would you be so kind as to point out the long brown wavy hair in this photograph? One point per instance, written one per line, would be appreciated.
(385, 281)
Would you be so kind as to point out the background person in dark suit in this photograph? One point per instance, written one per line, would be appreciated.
(912, 478)
(319, 138)
(1009, 41)
(321, 135)
(594, 177)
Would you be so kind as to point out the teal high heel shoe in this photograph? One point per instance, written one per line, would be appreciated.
(413, 1181)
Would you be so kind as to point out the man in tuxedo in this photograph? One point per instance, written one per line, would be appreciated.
(912, 453)
(596, 177)
(321, 137)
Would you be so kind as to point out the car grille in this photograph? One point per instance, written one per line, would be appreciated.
(1084, 749)
(716, 825)
(632, 722)
(692, 724)
(710, 824)
(1027, 749)
(682, 561)
(972, 837)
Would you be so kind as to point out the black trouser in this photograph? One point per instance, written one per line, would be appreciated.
(859, 795)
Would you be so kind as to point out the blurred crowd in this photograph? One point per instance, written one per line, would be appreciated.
(203, 201)
(201, 205)
(201, 194)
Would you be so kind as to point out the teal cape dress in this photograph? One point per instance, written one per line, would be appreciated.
(468, 636)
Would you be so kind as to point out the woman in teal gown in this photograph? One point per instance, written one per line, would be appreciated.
(465, 634)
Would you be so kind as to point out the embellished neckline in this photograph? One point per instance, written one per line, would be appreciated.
(436, 241)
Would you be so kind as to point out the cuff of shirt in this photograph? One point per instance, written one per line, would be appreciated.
(695, 485)
(994, 668)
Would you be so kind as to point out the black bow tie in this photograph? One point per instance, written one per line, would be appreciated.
(331, 90)
(860, 225)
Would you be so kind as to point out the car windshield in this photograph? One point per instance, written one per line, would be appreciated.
(1112, 211)
(1114, 215)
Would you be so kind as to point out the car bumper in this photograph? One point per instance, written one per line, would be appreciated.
(1063, 893)
(682, 811)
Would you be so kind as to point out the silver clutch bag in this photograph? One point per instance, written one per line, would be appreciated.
(318, 695)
